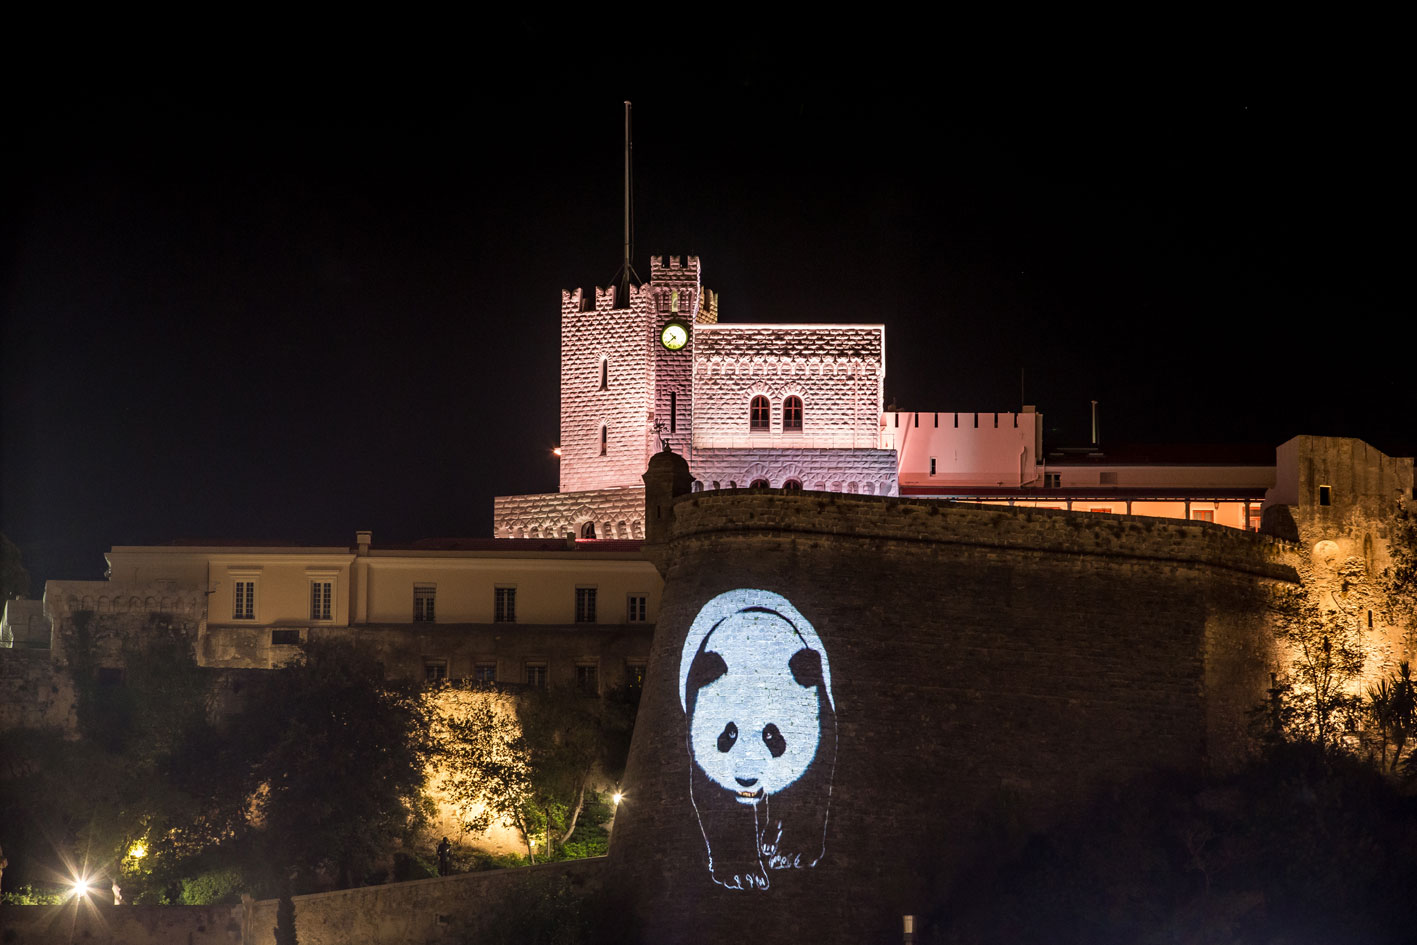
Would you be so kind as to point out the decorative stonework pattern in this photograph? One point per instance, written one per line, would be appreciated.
(838, 371)
(871, 472)
(616, 513)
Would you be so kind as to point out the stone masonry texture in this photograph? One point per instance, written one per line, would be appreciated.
(985, 661)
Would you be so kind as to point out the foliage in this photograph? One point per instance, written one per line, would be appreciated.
(1301, 846)
(335, 765)
(284, 930)
(28, 895)
(143, 773)
(480, 742)
(531, 763)
(1399, 579)
(535, 913)
(1315, 700)
(214, 886)
(14, 579)
(1392, 709)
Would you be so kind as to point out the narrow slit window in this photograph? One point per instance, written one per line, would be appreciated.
(1325, 495)
(673, 411)
(602, 441)
(604, 373)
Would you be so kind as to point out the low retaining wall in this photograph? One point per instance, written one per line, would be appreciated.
(448, 908)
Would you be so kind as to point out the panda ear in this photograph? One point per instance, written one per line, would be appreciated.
(806, 666)
(707, 667)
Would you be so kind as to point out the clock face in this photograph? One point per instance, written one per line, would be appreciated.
(674, 335)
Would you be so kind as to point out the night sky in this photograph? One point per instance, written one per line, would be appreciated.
(293, 309)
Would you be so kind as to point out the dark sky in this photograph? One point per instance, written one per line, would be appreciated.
(329, 300)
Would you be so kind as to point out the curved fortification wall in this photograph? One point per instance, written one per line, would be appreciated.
(844, 690)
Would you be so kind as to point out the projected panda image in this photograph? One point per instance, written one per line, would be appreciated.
(755, 686)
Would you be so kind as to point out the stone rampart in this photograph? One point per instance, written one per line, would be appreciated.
(106, 924)
(449, 908)
(987, 664)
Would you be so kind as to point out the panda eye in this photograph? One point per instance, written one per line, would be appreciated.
(728, 736)
(772, 738)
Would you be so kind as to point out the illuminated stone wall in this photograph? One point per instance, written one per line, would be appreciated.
(837, 370)
(1342, 536)
(615, 513)
(595, 333)
(984, 663)
(870, 472)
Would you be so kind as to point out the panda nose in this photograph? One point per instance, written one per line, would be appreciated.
(746, 782)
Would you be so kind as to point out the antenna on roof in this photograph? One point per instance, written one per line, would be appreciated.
(627, 269)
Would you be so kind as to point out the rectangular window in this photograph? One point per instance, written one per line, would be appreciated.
(322, 595)
(588, 679)
(1325, 495)
(435, 670)
(1254, 518)
(285, 638)
(585, 605)
(536, 675)
(504, 606)
(932, 465)
(635, 675)
(423, 600)
(673, 411)
(1202, 515)
(636, 608)
(1052, 480)
(484, 674)
(245, 607)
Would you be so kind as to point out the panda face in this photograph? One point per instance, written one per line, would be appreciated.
(755, 729)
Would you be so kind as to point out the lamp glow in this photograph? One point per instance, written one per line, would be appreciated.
(80, 887)
(616, 798)
(137, 851)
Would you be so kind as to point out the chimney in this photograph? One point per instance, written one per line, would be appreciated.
(363, 539)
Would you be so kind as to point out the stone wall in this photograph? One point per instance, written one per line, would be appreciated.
(869, 472)
(837, 370)
(1339, 498)
(617, 338)
(97, 924)
(34, 693)
(616, 513)
(449, 908)
(987, 663)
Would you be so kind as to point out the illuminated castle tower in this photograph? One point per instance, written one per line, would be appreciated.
(781, 405)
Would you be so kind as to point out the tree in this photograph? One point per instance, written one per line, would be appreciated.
(565, 734)
(488, 763)
(1399, 579)
(1316, 702)
(145, 777)
(14, 579)
(336, 764)
(1392, 707)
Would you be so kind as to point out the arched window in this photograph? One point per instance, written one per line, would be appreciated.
(588, 530)
(792, 485)
(732, 484)
(715, 485)
(758, 484)
(758, 415)
(602, 441)
(698, 486)
(792, 415)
